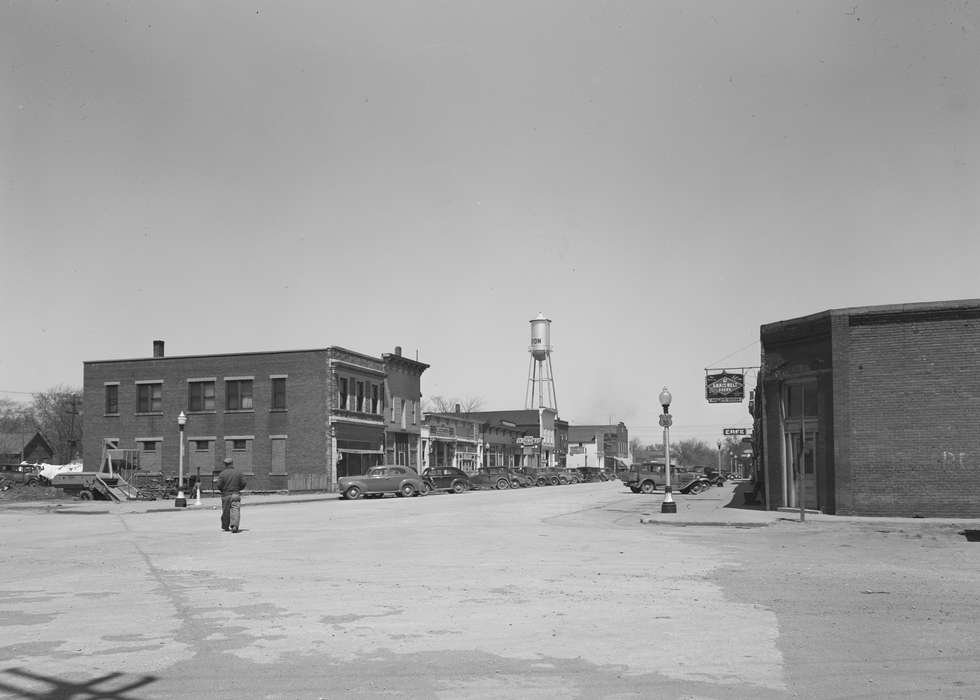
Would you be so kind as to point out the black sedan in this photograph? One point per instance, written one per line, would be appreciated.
(448, 479)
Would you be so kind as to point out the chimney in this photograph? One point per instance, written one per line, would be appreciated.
(398, 350)
(459, 409)
(157, 348)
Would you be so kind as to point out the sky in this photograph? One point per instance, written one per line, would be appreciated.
(657, 178)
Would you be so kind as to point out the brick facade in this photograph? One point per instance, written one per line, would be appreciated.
(291, 446)
(898, 400)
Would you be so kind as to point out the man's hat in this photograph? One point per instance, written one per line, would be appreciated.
(228, 460)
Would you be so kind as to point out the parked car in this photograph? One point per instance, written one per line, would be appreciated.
(498, 478)
(570, 476)
(543, 476)
(386, 478)
(23, 474)
(447, 479)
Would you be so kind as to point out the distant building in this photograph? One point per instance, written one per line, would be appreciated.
(604, 446)
(543, 434)
(292, 420)
(403, 417)
(28, 446)
(878, 404)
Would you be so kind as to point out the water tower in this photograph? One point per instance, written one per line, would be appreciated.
(540, 381)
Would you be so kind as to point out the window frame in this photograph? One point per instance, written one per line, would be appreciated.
(153, 404)
(113, 388)
(202, 382)
(237, 395)
(277, 393)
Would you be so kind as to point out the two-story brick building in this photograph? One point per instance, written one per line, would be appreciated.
(292, 420)
(403, 419)
(879, 405)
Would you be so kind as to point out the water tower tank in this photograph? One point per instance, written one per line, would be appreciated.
(540, 338)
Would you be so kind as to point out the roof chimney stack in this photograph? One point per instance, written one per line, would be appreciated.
(459, 409)
(157, 348)
(398, 350)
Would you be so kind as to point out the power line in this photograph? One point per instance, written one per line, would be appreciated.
(715, 364)
(26, 393)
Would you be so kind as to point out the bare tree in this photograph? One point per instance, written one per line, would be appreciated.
(442, 404)
(17, 425)
(58, 413)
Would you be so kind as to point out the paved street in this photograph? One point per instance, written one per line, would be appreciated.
(535, 593)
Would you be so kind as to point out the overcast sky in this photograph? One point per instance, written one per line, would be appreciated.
(658, 178)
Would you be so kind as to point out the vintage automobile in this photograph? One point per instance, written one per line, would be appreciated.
(381, 480)
(23, 474)
(448, 479)
(544, 476)
(646, 477)
(570, 476)
(499, 478)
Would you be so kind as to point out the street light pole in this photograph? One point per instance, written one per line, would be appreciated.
(668, 506)
(719, 458)
(181, 501)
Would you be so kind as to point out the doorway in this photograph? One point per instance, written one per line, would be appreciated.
(800, 458)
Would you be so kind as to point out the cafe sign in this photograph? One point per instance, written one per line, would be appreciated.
(724, 388)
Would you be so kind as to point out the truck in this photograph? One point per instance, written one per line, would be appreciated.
(646, 477)
(118, 479)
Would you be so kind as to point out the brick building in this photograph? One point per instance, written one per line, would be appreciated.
(403, 418)
(879, 404)
(292, 420)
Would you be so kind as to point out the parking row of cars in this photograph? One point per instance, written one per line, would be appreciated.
(405, 481)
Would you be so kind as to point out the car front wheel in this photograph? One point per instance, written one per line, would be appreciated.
(646, 487)
(407, 490)
(352, 493)
(502, 484)
(458, 487)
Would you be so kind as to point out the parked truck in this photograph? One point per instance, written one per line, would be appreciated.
(647, 477)
(118, 479)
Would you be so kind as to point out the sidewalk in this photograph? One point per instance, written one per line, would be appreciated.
(722, 506)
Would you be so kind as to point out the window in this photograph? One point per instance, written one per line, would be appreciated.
(343, 389)
(149, 397)
(278, 393)
(801, 399)
(375, 403)
(200, 396)
(360, 397)
(239, 445)
(238, 395)
(149, 445)
(415, 407)
(278, 464)
(202, 445)
(112, 399)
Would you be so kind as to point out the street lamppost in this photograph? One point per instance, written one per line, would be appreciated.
(180, 502)
(719, 458)
(668, 506)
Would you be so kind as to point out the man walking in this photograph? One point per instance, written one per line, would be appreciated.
(230, 483)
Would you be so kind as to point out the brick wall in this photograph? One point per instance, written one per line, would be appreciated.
(303, 421)
(910, 417)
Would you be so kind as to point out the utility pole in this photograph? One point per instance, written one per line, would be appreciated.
(71, 427)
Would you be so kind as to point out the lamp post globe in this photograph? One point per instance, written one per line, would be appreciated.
(180, 501)
(665, 399)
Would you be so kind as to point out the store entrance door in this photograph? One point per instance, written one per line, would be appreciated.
(801, 448)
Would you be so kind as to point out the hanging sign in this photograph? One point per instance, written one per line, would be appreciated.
(724, 388)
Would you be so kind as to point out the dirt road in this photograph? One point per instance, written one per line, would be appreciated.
(536, 593)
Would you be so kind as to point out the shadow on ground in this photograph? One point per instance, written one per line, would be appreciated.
(22, 683)
(744, 497)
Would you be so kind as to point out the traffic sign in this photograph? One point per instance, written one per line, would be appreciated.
(734, 431)
(666, 420)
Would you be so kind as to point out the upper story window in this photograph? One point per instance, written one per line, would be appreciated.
(343, 388)
(149, 397)
(112, 399)
(200, 395)
(801, 400)
(375, 401)
(238, 394)
(278, 394)
(360, 397)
